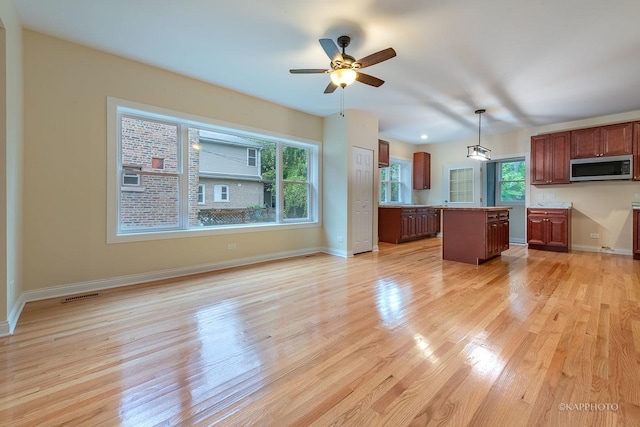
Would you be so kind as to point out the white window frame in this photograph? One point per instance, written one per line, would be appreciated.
(404, 181)
(221, 193)
(116, 106)
(129, 175)
(499, 182)
(251, 157)
(202, 195)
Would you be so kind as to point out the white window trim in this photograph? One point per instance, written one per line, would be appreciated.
(202, 193)
(254, 157)
(218, 193)
(405, 182)
(113, 178)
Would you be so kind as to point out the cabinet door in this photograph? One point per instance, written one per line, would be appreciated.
(616, 140)
(550, 158)
(636, 233)
(433, 222)
(585, 143)
(407, 227)
(421, 171)
(559, 157)
(536, 229)
(383, 153)
(539, 153)
(504, 235)
(493, 239)
(636, 151)
(557, 234)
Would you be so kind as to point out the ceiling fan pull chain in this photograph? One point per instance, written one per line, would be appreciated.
(342, 102)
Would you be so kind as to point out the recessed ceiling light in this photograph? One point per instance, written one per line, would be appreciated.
(424, 136)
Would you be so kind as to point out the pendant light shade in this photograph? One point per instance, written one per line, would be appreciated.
(478, 152)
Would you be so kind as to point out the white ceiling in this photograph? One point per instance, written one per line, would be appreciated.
(527, 62)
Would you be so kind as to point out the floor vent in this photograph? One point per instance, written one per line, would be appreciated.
(79, 297)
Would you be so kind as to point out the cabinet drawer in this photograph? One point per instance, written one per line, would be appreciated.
(548, 212)
(497, 216)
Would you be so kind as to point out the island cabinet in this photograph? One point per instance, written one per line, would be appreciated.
(474, 235)
(550, 158)
(549, 229)
(397, 224)
(601, 141)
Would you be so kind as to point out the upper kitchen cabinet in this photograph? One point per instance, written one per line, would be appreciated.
(550, 158)
(383, 153)
(636, 151)
(421, 171)
(611, 140)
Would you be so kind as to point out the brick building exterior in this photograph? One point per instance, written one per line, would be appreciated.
(223, 174)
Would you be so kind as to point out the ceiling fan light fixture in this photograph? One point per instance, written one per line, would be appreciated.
(478, 152)
(343, 77)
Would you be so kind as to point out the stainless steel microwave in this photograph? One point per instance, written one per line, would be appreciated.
(602, 168)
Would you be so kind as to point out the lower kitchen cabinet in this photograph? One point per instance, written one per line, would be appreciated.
(549, 229)
(402, 224)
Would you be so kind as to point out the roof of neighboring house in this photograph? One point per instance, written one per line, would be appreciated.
(207, 136)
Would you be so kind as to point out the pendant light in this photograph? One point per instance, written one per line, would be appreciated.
(478, 152)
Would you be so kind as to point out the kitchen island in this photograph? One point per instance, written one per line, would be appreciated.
(474, 235)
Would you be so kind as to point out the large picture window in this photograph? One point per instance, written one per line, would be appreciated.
(165, 165)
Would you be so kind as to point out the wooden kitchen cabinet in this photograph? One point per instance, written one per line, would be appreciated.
(383, 153)
(550, 155)
(636, 233)
(474, 235)
(397, 224)
(636, 151)
(601, 141)
(421, 171)
(549, 229)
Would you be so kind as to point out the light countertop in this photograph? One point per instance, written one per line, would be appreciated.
(552, 205)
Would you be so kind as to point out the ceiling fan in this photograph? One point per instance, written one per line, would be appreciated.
(344, 68)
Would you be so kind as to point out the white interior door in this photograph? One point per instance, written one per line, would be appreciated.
(362, 190)
(462, 184)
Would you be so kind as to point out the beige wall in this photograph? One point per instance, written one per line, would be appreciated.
(603, 208)
(65, 200)
(11, 282)
(355, 129)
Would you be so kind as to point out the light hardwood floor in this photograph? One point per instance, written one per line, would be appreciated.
(397, 338)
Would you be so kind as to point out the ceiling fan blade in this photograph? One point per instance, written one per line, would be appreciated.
(369, 80)
(330, 88)
(376, 58)
(331, 49)
(309, 71)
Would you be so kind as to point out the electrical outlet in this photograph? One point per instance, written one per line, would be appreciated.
(539, 196)
(637, 195)
(339, 238)
(594, 235)
(231, 246)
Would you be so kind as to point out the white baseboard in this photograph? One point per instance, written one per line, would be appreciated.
(611, 251)
(5, 330)
(7, 327)
(336, 252)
